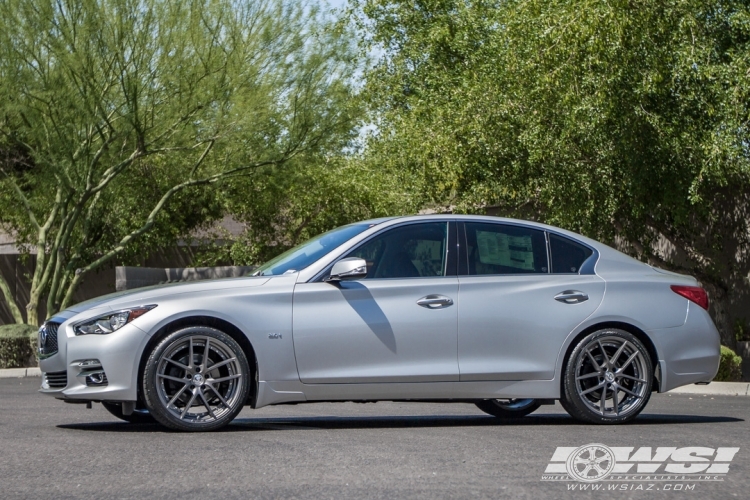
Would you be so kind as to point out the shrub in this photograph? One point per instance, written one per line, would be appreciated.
(17, 346)
(730, 366)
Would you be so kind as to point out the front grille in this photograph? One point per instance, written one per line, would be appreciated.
(48, 340)
(56, 380)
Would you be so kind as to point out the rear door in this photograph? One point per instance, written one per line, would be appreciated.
(517, 304)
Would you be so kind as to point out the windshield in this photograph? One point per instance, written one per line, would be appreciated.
(308, 252)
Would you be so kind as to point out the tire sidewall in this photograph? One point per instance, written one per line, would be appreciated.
(151, 396)
(570, 399)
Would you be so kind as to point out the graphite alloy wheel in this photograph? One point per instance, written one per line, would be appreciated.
(139, 416)
(607, 378)
(508, 408)
(196, 379)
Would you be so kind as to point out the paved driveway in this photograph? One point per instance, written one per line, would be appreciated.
(345, 450)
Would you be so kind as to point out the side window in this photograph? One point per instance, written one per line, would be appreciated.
(505, 249)
(411, 251)
(567, 255)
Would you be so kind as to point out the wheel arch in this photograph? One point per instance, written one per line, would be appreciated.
(632, 329)
(213, 322)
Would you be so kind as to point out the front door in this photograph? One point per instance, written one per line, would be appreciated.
(399, 324)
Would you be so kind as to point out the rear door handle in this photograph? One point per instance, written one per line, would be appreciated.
(435, 301)
(571, 297)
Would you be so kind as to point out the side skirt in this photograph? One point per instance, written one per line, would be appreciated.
(270, 393)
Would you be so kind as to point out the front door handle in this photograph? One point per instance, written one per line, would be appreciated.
(571, 297)
(435, 301)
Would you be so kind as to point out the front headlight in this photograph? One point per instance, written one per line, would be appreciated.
(110, 322)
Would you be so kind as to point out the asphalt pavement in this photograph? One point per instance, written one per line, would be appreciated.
(346, 450)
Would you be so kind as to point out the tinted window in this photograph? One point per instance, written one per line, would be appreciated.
(412, 251)
(567, 255)
(505, 249)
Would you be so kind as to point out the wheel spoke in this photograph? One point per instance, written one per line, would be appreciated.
(604, 353)
(220, 364)
(224, 401)
(628, 391)
(177, 395)
(596, 365)
(615, 402)
(591, 389)
(205, 403)
(588, 375)
(205, 354)
(618, 352)
(630, 377)
(224, 379)
(188, 405)
(169, 377)
(603, 400)
(190, 360)
(176, 363)
(627, 363)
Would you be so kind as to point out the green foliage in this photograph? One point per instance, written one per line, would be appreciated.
(284, 208)
(621, 120)
(730, 366)
(17, 346)
(741, 329)
(119, 118)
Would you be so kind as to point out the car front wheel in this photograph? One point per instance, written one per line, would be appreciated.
(608, 378)
(196, 379)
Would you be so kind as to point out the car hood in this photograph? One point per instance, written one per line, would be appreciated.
(142, 296)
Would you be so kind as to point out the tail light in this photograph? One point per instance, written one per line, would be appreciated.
(692, 293)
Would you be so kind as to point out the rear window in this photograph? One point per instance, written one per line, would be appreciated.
(504, 249)
(567, 255)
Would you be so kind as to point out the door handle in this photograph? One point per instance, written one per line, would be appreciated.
(435, 301)
(571, 297)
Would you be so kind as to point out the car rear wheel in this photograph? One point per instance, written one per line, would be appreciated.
(140, 414)
(196, 379)
(608, 378)
(508, 408)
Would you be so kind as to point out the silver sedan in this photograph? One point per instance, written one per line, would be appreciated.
(505, 314)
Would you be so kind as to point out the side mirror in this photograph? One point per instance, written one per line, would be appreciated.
(351, 268)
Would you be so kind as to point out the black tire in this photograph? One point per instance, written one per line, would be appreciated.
(508, 408)
(139, 416)
(607, 378)
(175, 384)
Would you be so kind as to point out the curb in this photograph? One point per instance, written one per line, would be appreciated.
(20, 372)
(715, 389)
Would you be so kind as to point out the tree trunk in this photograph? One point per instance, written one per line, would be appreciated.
(14, 310)
(719, 311)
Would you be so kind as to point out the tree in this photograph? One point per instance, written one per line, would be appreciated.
(118, 116)
(627, 121)
(283, 209)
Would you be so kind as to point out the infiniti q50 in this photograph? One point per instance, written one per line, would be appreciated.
(505, 314)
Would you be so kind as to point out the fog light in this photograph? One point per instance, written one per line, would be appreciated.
(96, 379)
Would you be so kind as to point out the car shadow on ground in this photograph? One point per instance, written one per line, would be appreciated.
(398, 422)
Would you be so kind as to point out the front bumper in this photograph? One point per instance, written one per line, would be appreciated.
(118, 354)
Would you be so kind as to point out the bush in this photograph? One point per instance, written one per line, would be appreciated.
(17, 346)
(730, 366)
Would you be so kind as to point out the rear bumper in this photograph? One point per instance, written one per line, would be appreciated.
(690, 353)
